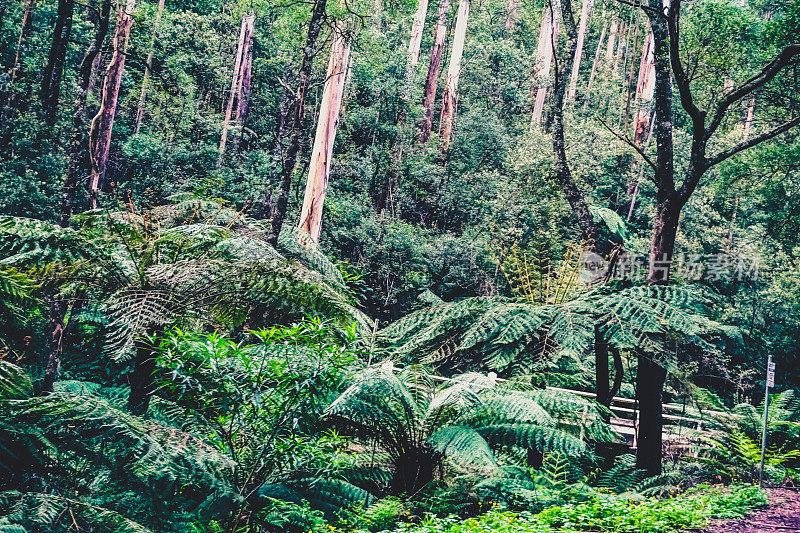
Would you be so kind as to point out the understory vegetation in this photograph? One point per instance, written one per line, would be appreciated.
(411, 267)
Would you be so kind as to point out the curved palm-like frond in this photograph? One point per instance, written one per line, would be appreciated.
(531, 437)
(465, 420)
(28, 511)
(465, 446)
(508, 335)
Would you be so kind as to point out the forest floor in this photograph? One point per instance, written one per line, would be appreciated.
(781, 515)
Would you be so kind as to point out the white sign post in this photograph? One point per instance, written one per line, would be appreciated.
(770, 383)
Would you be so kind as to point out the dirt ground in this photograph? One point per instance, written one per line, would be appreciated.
(781, 515)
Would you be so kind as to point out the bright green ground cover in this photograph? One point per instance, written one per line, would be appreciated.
(611, 513)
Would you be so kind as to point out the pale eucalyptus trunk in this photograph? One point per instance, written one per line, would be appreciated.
(450, 96)
(103, 122)
(327, 124)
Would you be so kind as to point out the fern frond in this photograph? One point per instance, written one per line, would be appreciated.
(464, 446)
(527, 436)
(53, 513)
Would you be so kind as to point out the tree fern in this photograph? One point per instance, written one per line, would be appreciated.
(468, 420)
(508, 335)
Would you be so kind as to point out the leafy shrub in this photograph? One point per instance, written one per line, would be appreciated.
(608, 513)
(381, 515)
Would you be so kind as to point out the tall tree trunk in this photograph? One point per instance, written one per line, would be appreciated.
(243, 99)
(576, 63)
(651, 376)
(415, 42)
(512, 13)
(650, 379)
(294, 113)
(622, 45)
(644, 91)
(322, 152)
(434, 65)
(612, 36)
(602, 376)
(103, 122)
(548, 38)
(24, 29)
(141, 378)
(453, 72)
(54, 68)
(629, 54)
(245, 40)
(593, 73)
(76, 150)
(149, 65)
(563, 175)
(56, 347)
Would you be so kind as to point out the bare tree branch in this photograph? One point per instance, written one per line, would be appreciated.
(681, 79)
(744, 145)
(767, 74)
(630, 143)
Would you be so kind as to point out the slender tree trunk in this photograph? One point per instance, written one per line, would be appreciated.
(242, 51)
(563, 174)
(650, 379)
(576, 63)
(54, 69)
(24, 29)
(103, 122)
(433, 70)
(644, 91)
(601, 369)
(143, 94)
(295, 117)
(322, 152)
(621, 46)
(593, 73)
(141, 379)
(243, 100)
(415, 42)
(548, 39)
(651, 376)
(56, 327)
(512, 14)
(76, 150)
(453, 71)
(748, 120)
(630, 53)
(612, 36)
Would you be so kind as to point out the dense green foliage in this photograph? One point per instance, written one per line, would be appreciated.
(609, 513)
(184, 357)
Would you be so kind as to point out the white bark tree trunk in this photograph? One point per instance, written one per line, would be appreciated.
(453, 71)
(245, 39)
(612, 36)
(103, 123)
(576, 64)
(548, 38)
(322, 152)
(644, 91)
(512, 15)
(433, 70)
(414, 43)
(594, 68)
